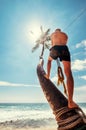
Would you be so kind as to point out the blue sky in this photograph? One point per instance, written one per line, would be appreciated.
(18, 78)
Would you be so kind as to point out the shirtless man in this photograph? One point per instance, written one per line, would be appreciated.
(60, 49)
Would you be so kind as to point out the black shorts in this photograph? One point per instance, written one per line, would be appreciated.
(60, 51)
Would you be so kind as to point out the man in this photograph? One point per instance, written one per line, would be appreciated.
(60, 49)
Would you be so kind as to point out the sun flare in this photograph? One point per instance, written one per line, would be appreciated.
(34, 31)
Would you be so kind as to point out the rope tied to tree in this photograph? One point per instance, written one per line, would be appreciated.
(72, 120)
(61, 76)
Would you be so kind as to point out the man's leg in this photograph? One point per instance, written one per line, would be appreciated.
(70, 83)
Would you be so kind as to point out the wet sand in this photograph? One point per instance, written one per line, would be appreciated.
(27, 128)
(28, 125)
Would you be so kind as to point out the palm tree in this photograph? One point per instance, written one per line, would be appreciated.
(43, 39)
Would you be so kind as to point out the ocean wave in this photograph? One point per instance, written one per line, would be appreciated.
(33, 123)
(28, 115)
(6, 115)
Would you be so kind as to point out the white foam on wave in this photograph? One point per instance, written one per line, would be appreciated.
(26, 113)
(7, 115)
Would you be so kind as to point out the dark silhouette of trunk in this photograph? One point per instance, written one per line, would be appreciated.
(67, 119)
(42, 52)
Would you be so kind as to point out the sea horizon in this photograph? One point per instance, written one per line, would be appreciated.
(33, 102)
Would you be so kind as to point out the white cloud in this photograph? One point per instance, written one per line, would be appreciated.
(81, 44)
(80, 94)
(79, 65)
(83, 77)
(82, 88)
(9, 84)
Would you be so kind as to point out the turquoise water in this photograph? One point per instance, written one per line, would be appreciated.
(38, 112)
(18, 111)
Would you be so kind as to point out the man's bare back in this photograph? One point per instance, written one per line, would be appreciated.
(59, 38)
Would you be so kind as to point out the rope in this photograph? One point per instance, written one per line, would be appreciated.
(75, 19)
(69, 126)
(61, 112)
(63, 108)
(82, 114)
(61, 77)
(71, 121)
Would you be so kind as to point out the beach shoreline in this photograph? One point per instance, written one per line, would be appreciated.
(27, 128)
(28, 125)
(7, 127)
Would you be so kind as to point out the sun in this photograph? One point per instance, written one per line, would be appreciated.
(34, 31)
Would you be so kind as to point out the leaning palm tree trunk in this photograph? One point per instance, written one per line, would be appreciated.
(42, 52)
(67, 119)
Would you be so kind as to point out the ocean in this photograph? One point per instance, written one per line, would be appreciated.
(29, 114)
(14, 111)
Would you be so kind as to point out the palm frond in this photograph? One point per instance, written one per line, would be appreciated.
(43, 39)
(47, 32)
(35, 47)
(47, 46)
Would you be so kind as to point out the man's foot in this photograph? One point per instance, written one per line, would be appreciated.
(72, 105)
(46, 76)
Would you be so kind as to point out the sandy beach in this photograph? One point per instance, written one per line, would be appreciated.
(27, 128)
(12, 127)
(29, 125)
